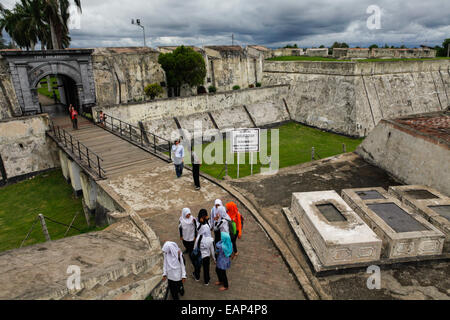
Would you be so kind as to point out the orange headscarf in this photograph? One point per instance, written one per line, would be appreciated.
(234, 214)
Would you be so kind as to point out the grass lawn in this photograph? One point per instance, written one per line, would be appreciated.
(304, 58)
(44, 88)
(295, 143)
(47, 193)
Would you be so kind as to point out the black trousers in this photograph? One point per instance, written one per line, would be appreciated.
(233, 242)
(222, 275)
(205, 263)
(75, 123)
(217, 237)
(174, 288)
(196, 174)
(189, 245)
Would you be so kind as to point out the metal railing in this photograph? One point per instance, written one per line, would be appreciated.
(137, 135)
(79, 150)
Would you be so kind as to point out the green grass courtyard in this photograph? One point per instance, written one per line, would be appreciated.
(49, 194)
(295, 146)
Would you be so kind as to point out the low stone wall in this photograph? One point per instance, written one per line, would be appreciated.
(185, 106)
(352, 97)
(409, 155)
(25, 148)
(317, 52)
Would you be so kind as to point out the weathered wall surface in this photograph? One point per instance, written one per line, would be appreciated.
(351, 98)
(122, 73)
(9, 106)
(232, 65)
(411, 157)
(184, 106)
(24, 146)
(366, 53)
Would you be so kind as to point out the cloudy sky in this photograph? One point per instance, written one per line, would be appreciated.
(271, 23)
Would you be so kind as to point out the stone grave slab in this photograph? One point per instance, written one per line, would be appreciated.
(429, 203)
(404, 232)
(332, 234)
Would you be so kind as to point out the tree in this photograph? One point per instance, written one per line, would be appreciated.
(373, 46)
(291, 46)
(31, 21)
(153, 90)
(443, 51)
(183, 66)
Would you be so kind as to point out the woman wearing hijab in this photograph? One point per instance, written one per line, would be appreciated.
(214, 211)
(173, 268)
(235, 216)
(206, 245)
(224, 249)
(188, 230)
(220, 223)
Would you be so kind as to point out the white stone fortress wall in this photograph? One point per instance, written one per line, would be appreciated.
(352, 97)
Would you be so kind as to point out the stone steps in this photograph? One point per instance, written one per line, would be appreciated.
(125, 287)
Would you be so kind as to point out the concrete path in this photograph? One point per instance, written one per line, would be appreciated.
(150, 187)
(259, 271)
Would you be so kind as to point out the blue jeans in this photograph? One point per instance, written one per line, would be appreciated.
(179, 169)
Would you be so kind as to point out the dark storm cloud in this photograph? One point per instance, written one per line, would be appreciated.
(270, 22)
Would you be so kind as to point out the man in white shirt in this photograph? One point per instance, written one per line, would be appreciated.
(178, 158)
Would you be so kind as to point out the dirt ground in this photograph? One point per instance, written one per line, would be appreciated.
(424, 280)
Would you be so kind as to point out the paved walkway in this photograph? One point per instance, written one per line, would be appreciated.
(151, 188)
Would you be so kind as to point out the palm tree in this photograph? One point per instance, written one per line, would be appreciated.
(57, 12)
(38, 20)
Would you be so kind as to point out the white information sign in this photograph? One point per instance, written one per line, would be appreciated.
(245, 140)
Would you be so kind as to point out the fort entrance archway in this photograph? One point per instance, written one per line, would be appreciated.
(72, 68)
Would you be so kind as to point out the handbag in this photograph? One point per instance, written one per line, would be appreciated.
(196, 254)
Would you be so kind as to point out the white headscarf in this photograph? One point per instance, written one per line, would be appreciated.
(172, 251)
(186, 221)
(214, 209)
(223, 213)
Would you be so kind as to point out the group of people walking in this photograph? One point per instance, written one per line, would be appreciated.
(226, 223)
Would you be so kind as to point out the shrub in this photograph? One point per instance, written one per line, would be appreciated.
(212, 89)
(236, 87)
(251, 85)
(258, 84)
(153, 90)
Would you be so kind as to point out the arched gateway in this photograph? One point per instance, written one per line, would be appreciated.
(27, 68)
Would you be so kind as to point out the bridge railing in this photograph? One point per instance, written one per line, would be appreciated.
(78, 150)
(137, 135)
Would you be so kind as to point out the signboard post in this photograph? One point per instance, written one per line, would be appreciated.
(245, 140)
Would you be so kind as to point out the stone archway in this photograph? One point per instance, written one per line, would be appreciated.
(27, 68)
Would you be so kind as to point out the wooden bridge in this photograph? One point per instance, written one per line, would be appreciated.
(101, 153)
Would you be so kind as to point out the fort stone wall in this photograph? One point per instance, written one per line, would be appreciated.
(24, 147)
(352, 97)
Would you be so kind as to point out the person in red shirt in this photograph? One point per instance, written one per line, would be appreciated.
(74, 116)
(236, 217)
